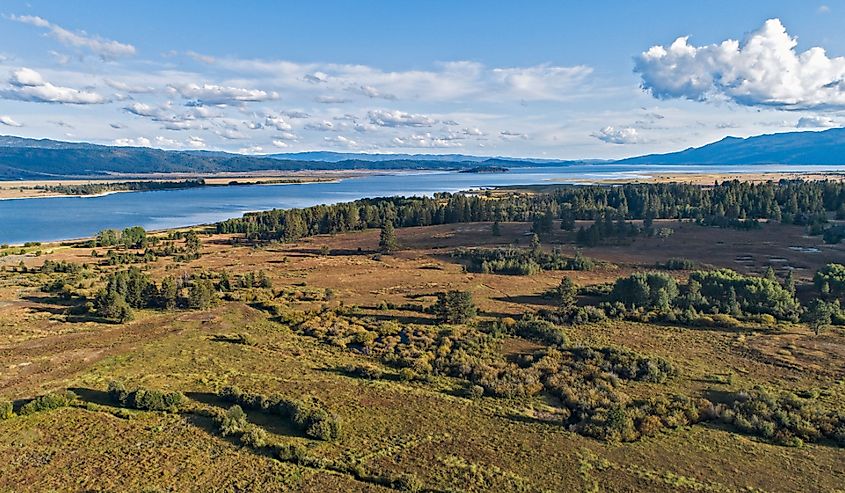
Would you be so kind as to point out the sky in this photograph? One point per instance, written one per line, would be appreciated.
(543, 79)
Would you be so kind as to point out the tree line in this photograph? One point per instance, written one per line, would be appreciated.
(730, 203)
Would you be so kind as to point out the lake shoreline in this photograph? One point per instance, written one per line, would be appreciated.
(55, 221)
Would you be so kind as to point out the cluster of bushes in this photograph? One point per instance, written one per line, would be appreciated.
(676, 264)
(519, 261)
(715, 292)
(133, 237)
(62, 266)
(628, 422)
(145, 399)
(132, 288)
(584, 378)
(233, 422)
(783, 418)
(308, 415)
(48, 402)
(604, 230)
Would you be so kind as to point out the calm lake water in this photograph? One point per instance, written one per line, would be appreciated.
(51, 219)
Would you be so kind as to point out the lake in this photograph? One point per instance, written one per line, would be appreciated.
(61, 218)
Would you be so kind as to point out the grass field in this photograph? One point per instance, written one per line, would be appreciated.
(418, 428)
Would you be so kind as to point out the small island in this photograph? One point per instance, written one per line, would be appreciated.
(485, 169)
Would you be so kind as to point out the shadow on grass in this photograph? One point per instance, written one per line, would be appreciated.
(527, 300)
(271, 423)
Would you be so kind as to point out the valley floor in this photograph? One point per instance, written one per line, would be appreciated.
(423, 429)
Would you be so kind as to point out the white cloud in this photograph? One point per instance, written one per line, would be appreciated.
(105, 48)
(372, 92)
(230, 134)
(816, 122)
(618, 135)
(136, 142)
(191, 119)
(251, 150)
(26, 84)
(763, 70)
(511, 135)
(296, 114)
(427, 140)
(541, 82)
(384, 118)
(9, 121)
(322, 126)
(330, 100)
(195, 142)
(129, 88)
(277, 122)
(280, 143)
(210, 94)
(340, 140)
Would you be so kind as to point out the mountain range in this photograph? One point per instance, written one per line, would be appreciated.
(22, 158)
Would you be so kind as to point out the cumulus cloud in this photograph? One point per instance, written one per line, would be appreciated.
(816, 122)
(384, 118)
(26, 84)
(104, 48)
(277, 122)
(9, 121)
(129, 87)
(427, 140)
(372, 92)
(191, 119)
(618, 135)
(321, 126)
(763, 70)
(136, 142)
(340, 140)
(210, 94)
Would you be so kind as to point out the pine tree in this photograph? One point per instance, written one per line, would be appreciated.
(535, 243)
(770, 274)
(454, 307)
(387, 239)
(567, 294)
(496, 229)
(819, 315)
(789, 283)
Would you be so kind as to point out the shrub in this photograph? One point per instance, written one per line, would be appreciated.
(6, 410)
(145, 399)
(254, 437)
(233, 421)
(540, 330)
(368, 372)
(47, 402)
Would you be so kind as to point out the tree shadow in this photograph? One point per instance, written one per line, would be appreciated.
(527, 299)
(271, 423)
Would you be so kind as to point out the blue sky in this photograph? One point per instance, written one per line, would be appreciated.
(542, 79)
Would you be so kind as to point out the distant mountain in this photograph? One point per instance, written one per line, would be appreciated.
(825, 147)
(22, 158)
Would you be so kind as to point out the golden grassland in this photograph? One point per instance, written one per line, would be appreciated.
(422, 428)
